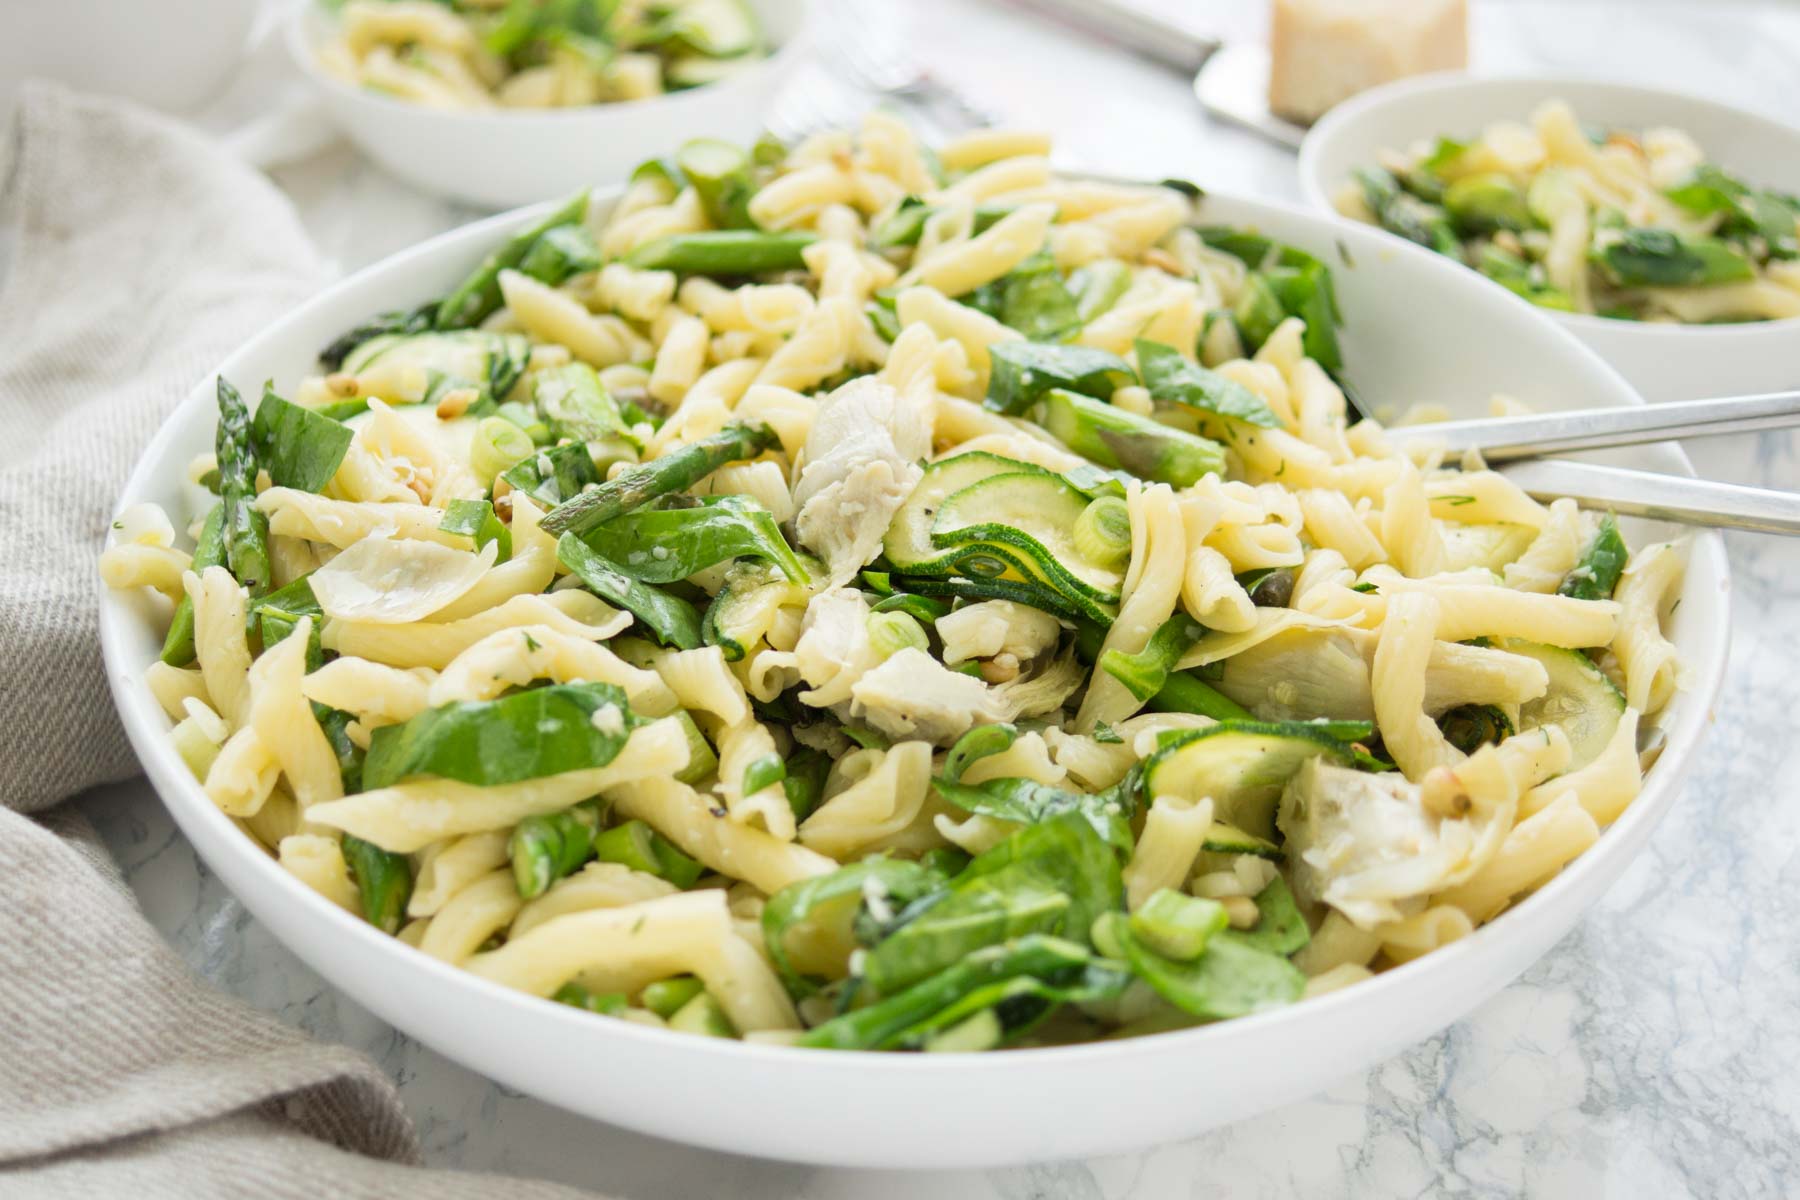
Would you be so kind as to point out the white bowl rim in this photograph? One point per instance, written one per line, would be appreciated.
(304, 51)
(149, 740)
(1402, 91)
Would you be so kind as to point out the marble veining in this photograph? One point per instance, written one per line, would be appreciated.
(1653, 1053)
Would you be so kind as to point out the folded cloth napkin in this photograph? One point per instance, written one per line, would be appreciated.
(139, 255)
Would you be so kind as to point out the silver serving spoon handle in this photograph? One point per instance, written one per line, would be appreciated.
(1500, 439)
(1659, 497)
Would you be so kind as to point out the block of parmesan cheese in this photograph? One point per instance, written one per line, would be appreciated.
(1325, 51)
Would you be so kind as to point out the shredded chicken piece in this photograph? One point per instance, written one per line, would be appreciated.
(861, 463)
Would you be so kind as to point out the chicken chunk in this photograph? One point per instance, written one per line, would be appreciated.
(861, 463)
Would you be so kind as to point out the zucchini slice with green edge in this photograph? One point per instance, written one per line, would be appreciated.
(716, 28)
(1034, 513)
(476, 357)
(745, 608)
(1580, 698)
(908, 544)
(1242, 765)
(1229, 839)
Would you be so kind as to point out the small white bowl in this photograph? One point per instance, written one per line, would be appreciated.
(508, 157)
(1666, 362)
(1417, 327)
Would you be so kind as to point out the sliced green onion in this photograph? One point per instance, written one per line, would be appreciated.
(1178, 926)
(498, 446)
(667, 996)
(764, 772)
(636, 845)
(702, 1015)
(605, 1003)
(892, 632)
(1103, 533)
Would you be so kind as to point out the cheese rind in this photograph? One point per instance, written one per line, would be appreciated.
(1322, 52)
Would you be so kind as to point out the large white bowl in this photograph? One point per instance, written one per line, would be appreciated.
(509, 157)
(1419, 328)
(1666, 362)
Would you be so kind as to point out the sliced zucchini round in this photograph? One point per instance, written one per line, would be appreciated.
(908, 544)
(490, 361)
(716, 28)
(1229, 839)
(745, 608)
(1034, 513)
(1580, 698)
(1242, 765)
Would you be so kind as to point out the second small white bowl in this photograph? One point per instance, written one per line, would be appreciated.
(1666, 362)
(508, 157)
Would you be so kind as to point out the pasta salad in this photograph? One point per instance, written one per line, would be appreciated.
(866, 597)
(486, 54)
(1639, 227)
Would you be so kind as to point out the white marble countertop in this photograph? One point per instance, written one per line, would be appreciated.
(1653, 1053)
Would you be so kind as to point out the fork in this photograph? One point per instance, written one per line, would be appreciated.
(866, 62)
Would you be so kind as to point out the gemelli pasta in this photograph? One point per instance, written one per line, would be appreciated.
(880, 599)
(1636, 226)
(487, 54)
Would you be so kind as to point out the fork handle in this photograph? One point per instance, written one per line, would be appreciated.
(1162, 41)
(1502, 438)
(1660, 497)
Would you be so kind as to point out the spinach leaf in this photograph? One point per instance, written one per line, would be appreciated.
(673, 620)
(872, 879)
(1028, 802)
(1174, 380)
(1662, 258)
(1230, 978)
(1280, 929)
(527, 735)
(553, 476)
(1299, 282)
(661, 545)
(1597, 572)
(475, 519)
(1022, 979)
(1031, 298)
(1710, 191)
(275, 614)
(336, 724)
(1024, 371)
(1053, 876)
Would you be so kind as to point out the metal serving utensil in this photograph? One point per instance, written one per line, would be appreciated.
(1537, 435)
(1659, 497)
(1518, 445)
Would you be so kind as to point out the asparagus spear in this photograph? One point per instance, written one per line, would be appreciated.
(1182, 691)
(723, 252)
(178, 646)
(385, 881)
(549, 846)
(479, 294)
(720, 173)
(244, 529)
(671, 473)
(1659, 258)
(1113, 437)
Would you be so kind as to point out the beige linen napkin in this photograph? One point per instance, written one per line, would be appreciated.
(140, 255)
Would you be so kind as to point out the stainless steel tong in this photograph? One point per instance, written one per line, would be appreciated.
(1519, 447)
